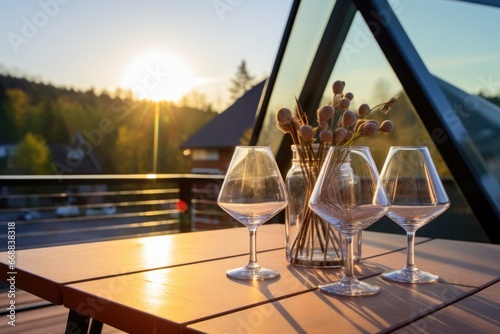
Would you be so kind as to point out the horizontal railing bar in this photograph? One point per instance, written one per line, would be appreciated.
(203, 201)
(133, 203)
(97, 193)
(112, 216)
(101, 228)
(209, 213)
(202, 191)
(99, 178)
(132, 214)
(97, 205)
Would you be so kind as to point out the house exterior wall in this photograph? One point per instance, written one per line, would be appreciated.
(209, 166)
(206, 194)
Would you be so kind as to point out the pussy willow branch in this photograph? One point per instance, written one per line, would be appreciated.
(313, 227)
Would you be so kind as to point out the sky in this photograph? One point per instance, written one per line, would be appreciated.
(457, 41)
(162, 49)
(158, 49)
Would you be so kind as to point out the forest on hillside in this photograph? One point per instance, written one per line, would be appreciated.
(116, 131)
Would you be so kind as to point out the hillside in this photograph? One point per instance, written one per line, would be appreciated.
(117, 132)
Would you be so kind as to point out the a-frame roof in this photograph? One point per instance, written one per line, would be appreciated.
(226, 129)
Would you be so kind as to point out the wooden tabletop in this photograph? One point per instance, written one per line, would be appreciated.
(200, 298)
(44, 271)
(465, 300)
(177, 283)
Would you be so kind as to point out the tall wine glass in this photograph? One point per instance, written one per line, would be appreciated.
(349, 195)
(253, 192)
(418, 196)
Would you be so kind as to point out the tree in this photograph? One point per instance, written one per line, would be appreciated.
(130, 154)
(241, 82)
(8, 130)
(195, 99)
(32, 156)
(17, 108)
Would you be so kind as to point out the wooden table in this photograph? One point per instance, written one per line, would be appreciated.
(177, 283)
(44, 271)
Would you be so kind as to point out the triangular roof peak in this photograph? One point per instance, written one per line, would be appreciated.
(227, 128)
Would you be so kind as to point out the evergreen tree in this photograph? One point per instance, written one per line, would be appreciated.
(17, 108)
(7, 128)
(242, 82)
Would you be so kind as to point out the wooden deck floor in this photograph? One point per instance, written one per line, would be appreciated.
(44, 319)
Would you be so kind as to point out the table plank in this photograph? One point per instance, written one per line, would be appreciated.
(165, 299)
(477, 314)
(315, 312)
(458, 262)
(464, 268)
(44, 271)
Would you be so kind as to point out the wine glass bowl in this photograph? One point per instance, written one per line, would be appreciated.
(253, 192)
(349, 196)
(417, 196)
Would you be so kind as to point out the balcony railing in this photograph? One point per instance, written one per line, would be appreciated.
(55, 210)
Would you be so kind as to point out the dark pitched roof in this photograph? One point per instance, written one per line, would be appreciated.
(226, 129)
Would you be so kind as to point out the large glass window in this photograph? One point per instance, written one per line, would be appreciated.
(459, 44)
(307, 30)
(368, 74)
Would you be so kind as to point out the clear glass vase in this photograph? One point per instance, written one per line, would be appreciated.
(310, 240)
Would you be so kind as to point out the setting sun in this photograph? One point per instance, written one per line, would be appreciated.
(158, 75)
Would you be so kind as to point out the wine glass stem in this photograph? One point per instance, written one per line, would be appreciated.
(349, 267)
(410, 254)
(253, 247)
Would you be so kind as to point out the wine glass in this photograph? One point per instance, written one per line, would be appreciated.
(349, 195)
(253, 192)
(417, 197)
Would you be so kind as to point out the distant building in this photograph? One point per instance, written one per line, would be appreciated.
(7, 150)
(212, 148)
(74, 157)
(213, 145)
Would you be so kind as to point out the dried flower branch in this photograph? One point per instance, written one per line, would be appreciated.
(337, 125)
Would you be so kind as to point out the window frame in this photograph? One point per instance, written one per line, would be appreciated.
(479, 187)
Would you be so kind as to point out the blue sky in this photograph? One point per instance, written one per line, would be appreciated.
(457, 41)
(83, 44)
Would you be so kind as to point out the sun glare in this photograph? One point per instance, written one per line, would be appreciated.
(158, 76)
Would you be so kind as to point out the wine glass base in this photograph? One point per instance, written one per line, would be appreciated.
(351, 289)
(252, 274)
(409, 276)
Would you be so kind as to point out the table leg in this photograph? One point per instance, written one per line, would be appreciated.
(79, 324)
(95, 327)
